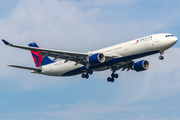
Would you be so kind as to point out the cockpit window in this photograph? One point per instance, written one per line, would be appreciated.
(169, 35)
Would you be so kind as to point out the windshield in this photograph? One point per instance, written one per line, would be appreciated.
(169, 35)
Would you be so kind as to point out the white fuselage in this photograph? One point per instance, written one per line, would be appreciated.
(148, 44)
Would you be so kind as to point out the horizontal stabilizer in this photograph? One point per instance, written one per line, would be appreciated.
(5, 42)
(26, 68)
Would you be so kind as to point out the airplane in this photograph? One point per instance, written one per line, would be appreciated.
(115, 57)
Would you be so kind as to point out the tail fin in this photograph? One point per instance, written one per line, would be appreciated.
(38, 59)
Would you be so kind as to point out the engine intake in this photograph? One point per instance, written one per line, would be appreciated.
(96, 58)
(141, 65)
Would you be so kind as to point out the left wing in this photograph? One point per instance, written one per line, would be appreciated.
(72, 56)
(57, 54)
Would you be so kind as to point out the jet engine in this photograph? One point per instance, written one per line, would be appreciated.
(96, 58)
(140, 66)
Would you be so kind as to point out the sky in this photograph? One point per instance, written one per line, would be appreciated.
(83, 26)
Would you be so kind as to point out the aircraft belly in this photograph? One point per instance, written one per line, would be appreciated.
(101, 68)
(59, 69)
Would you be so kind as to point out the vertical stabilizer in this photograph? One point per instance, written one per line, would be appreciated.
(38, 59)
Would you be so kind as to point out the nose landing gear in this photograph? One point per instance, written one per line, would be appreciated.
(161, 57)
(161, 53)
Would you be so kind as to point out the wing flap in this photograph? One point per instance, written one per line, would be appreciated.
(127, 65)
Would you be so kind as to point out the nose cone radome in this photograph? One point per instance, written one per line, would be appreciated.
(175, 40)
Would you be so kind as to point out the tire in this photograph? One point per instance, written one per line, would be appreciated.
(116, 75)
(109, 79)
(112, 75)
(161, 57)
(86, 76)
(112, 79)
(90, 72)
(83, 75)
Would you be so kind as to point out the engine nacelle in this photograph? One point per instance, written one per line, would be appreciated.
(141, 65)
(96, 58)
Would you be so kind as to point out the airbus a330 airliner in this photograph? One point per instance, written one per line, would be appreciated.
(116, 57)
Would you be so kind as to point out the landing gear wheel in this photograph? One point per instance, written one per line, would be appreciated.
(109, 79)
(90, 72)
(161, 57)
(116, 75)
(112, 79)
(86, 76)
(83, 75)
(113, 75)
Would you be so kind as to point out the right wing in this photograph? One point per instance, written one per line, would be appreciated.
(123, 66)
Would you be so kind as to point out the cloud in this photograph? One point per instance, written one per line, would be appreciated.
(108, 2)
(91, 110)
(81, 110)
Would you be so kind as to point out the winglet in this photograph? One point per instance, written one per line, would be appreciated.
(5, 42)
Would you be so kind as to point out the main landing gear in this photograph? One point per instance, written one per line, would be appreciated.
(86, 75)
(161, 53)
(113, 75)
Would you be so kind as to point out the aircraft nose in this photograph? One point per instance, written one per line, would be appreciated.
(171, 41)
(174, 40)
